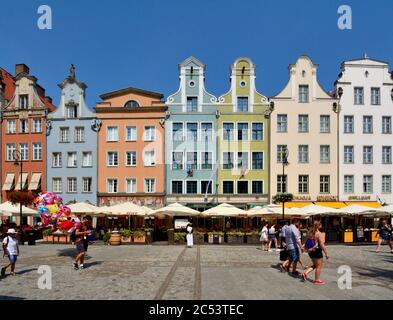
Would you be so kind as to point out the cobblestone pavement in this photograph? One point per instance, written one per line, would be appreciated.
(202, 272)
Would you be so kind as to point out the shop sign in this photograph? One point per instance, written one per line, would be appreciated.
(326, 198)
(359, 198)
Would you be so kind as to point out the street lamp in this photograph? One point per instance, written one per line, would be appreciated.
(284, 163)
(18, 161)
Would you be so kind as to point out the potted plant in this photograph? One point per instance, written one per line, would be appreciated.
(252, 237)
(235, 237)
(139, 236)
(199, 237)
(216, 237)
(179, 237)
(106, 237)
(125, 236)
(48, 235)
(149, 235)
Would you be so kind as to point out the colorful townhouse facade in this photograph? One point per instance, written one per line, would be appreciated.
(24, 135)
(191, 140)
(131, 148)
(365, 170)
(304, 130)
(243, 140)
(72, 136)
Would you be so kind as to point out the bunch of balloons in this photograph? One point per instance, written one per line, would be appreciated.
(53, 212)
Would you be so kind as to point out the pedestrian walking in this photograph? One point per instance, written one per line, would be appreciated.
(190, 236)
(315, 247)
(273, 238)
(78, 237)
(11, 250)
(284, 227)
(294, 246)
(385, 235)
(264, 238)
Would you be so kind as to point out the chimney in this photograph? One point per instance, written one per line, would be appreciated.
(48, 99)
(21, 67)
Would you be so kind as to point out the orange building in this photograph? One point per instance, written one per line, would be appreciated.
(23, 129)
(131, 146)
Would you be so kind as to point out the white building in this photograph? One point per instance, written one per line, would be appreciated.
(365, 137)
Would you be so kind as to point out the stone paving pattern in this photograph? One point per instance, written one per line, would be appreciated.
(202, 272)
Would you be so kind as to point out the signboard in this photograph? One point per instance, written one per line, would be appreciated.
(359, 198)
(181, 223)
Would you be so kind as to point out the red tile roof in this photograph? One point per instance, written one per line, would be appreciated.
(49, 105)
(9, 82)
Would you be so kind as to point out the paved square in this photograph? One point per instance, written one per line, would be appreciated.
(202, 272)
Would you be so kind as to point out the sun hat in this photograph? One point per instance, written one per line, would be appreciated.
(11, 231)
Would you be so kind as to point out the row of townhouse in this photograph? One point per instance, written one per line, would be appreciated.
(200, 150)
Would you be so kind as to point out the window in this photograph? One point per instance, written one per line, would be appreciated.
(192, 187)
(303, 93)
(130, 185)
(348, 154)
(112, 134)
(56, 160)
(150, 133)
(228, 131)
(281, 150)
(207, 161)
(23, 101)
(112, 159)
(348, 124)
(10, 150)
(37, 151)
(177, 187)
(375, 96)
(87, 159)
(71, 185)
(324, 154)
(131, 104)
(37, 125)
(207, 131)
(23, 125)
(386, 125)
(367, 154)
(177, 131)
(242, 187)
(86, 184)
(348, 184)
(227, 161)
(303, 123)
(359, 95)
(367, 184)
(111, 186)
(72, 112)
(242, 131)
(257, 131)
(386, 154)
(72, 160)
(242, 160)
(79, 134)
(131, 158)
(24, 151)
(192, 104)
(192, 131)
(206, 187)
(387, 184)
(281, 183)
(242, 104)
(177, 160)
(227, 187)
(324, 184)
(56, 185)
(11, 126)
(131, 134)
(192, 160)
(324, 124)
(150, 185)
(367, 124)
(303, 183)
(257, 160)
(149, 159)
(257, 187)
(282, 123)
(64, 135)
(303, 154)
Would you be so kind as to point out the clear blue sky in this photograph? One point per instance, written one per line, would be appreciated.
(120, 43)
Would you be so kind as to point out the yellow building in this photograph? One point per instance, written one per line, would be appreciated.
(243, 135)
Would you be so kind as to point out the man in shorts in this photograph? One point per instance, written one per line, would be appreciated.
(11, 249)
(294, 246)
(80, 234)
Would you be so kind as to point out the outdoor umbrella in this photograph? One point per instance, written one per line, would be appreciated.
(9, 209)
(225, 210)
(174, 210)
(313, 209)
(126, 209)
(356, 209)
(84, 208)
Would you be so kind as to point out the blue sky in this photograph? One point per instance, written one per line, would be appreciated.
(120, 43)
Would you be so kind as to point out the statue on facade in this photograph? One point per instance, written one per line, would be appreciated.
(96, 125)
(72, 72)
(48, 127)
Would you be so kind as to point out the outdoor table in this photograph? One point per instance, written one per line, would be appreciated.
(58, 236)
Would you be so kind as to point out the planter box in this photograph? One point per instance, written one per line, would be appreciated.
(199, 239)
(235, 240)
(139, 239)
(48, 238)
(216, 239)
(126, 240)
(253, 239)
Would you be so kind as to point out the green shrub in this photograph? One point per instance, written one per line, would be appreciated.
(106, 237)
(235, 234)
(138, 234)
(125, 233)
(179, 236)
(47, 232)
(219, 233)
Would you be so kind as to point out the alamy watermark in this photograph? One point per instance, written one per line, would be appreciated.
(345, 20)
(344, 282)
(45, 281)
(44, 22)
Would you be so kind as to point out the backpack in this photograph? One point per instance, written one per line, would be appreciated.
(310, 243)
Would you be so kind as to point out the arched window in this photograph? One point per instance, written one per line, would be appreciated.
(131, 104)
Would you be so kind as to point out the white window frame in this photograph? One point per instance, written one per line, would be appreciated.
(83, 184)
(37, 147)
(114, 157)
(69, 179)
(182, 186)
(134, 190)
(56, 160)
(90, 164)
(60, 184)
(11, 126)
(150, 134)
(108, 188)
(146, 187)
(112, 137)
(153, 158)
(131, 138)
(35, 121)
(132, 158)
(75, 165)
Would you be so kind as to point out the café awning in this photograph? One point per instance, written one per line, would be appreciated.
(225, 210)
(9, 209)
(126, 209)
(173, 210)
(9, 182)
(22, 177)
(297, 204)
(35, 181)
(332, 204)
(371, 204)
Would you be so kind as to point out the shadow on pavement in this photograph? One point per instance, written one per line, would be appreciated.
(26, 271)
(91, 264)
(373, 272)
(11, 298)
